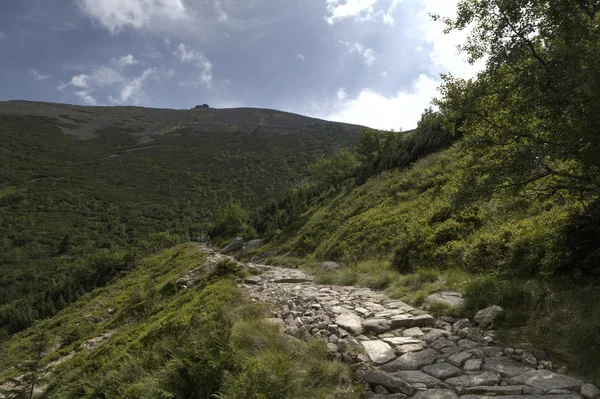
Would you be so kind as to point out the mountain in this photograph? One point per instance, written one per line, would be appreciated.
(84, 189)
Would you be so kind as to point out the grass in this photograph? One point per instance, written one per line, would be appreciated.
(166, 342)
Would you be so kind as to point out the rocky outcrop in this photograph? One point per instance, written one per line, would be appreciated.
(233, 246)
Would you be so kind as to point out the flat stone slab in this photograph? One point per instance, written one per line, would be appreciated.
(417, 377)
(442, 370)
(436, 394)
(570, 396)
(412, 361)
(413, 332)
(589, 391)
(458, 359)
(547, 380)
(379, 352)
(505, 366)
(378, 326)
(350, 322)
(402, 340)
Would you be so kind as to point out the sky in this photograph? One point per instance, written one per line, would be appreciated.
(370, 62)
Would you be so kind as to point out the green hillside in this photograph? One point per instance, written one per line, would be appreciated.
(85, 190)
(144, 337)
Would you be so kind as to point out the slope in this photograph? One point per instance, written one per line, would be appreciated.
(77, 181)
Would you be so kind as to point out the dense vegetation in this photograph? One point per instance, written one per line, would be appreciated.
(76, 213)
(162, 341)
(507, 213)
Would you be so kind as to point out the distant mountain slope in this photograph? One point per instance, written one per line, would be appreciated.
(76, 180)
(149, 123)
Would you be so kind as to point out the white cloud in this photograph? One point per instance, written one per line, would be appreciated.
(86, 97)
(38, 76)
(359, 10)
(198, 59)
(367, 54)
(124, 61)
(222, 15)
(301, 57)
(341, 94)
(377, 111)
(132, 89)
(403, 110)
(116, 15)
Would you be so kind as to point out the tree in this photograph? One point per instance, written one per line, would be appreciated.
(531, 118)
(333, 171)
(231, 219)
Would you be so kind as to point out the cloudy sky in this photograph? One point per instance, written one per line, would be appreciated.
(371, 62)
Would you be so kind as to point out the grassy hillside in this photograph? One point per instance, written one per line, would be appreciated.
(415, 231)
(143, 337)
(85, 190)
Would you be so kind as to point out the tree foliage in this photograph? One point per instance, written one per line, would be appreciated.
(333, 171)
(531, 118)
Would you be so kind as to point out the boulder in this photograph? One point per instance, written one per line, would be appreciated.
(378, 326)
(412, 361)
(350, 322)
(588, 391)
(379, 352)
(449, 298)
(388, 381)
(252, 245)
(329, 265)
(234, 245)
(486, 316)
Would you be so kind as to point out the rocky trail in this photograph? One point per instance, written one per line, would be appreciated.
(398, 351)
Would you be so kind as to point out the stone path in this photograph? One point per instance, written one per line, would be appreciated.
(399, 351)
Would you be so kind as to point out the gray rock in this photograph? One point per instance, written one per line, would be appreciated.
(402, 340)
(436, 394)
(449, 298)
(378, 326)
(252, 279)
(402, 320)
(533, 396)
(379, 352)
(413, 332)
(473, 365)
(417, 377)
(458, 359)
(492, 351)
(486, 316)
(441, 343)
(468, 344)
(423, 320)
(434, 334)
(460, 381)
(496, 390)
(547, 380)
(442, 370)
(402, 349)
(412, 361)
(528, 359)
(350, 322)
(329, 265)
(485, 378)
(388, 381)
(459, 325)
(505, 366)
(252, 245)
(589, 391)
(234, 245)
